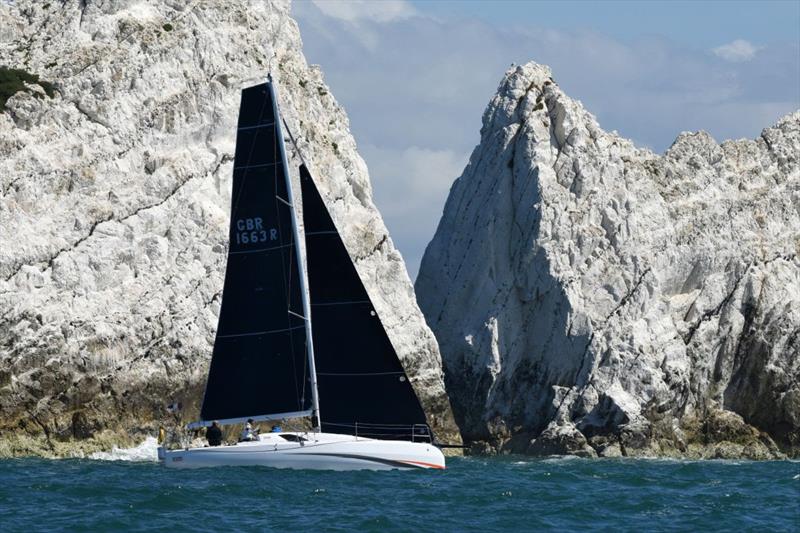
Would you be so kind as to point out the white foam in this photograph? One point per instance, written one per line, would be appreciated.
(146, 451)
(561, 458)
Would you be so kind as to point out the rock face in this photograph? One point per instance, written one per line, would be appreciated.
(114, 206)
(585, 291)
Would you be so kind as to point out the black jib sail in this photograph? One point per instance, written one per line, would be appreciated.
(259, 366)
(362, 385)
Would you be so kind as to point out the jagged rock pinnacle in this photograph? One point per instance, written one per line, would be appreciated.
(593, 297)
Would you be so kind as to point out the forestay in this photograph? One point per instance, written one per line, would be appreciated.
(259, 364)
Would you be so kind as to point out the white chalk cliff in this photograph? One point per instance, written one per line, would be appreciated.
(593, 297)
(114, 207)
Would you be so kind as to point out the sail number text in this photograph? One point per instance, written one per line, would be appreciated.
(252, 230)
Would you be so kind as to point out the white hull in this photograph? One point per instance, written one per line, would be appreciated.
(320, 451)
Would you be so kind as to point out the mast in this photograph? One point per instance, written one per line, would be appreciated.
(315, 418)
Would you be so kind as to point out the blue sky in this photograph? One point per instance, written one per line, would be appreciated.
(415, 77)
(702, 24)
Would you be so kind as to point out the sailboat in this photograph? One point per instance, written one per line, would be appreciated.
(295, 343)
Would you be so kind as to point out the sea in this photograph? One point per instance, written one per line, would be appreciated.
(127, 490)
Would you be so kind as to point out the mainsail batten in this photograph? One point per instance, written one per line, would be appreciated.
(362, 384)
(259, 366)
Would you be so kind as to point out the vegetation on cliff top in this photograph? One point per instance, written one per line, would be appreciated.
(13, 80)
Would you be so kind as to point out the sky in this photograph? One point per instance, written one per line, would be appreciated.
(416, 76)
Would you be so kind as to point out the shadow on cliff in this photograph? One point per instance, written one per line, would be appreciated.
(529, 332)
(761, 389)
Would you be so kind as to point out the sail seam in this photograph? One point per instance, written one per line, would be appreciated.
(261, 249)
(243, 128)
(352, 302)
(262, 165)
(359, 373)
(259, 332)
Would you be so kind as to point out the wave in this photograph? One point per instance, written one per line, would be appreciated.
(146, 451)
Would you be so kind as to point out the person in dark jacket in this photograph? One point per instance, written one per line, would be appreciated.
(214, 434)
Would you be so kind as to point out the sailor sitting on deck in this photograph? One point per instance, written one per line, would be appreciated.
(214, 434)
(248, 433)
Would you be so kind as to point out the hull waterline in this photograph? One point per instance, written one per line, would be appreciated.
(315, 451)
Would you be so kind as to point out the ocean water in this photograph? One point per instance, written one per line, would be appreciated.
(127, 490)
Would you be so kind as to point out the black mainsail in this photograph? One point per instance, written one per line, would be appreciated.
(259, 366)
(362, 385)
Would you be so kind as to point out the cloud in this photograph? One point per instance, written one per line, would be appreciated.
(412, 174)
(410, 186)
(355, 10)
(361, 21)
(736, 51)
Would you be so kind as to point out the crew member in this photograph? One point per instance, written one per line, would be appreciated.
(214, 434)
(249, 433)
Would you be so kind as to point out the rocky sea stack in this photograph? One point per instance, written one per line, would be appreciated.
(116, 148)
(594, 298)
